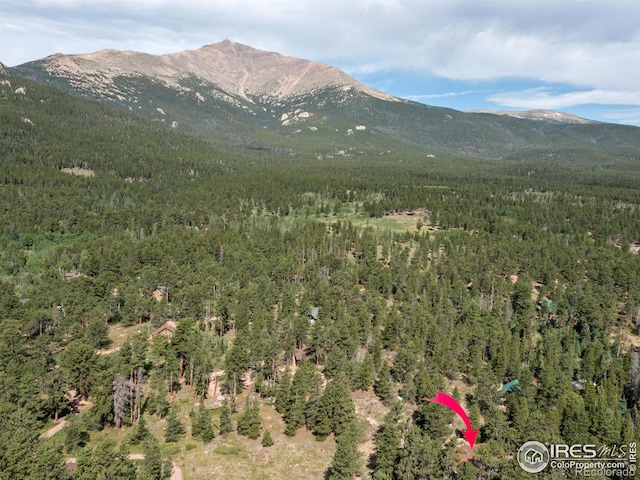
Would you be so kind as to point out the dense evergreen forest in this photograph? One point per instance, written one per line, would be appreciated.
(287, 274)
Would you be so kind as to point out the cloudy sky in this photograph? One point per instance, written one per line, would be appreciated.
(579, 56)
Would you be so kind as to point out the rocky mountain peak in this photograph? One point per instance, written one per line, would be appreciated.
(236, 68)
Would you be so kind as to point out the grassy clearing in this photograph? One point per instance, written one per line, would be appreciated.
(397, 222)
(235, 456)
(241, 458)
(81, 172)
(118, 334)
(401, 222)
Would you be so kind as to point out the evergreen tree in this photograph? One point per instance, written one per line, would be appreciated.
(383, 386)
(387, 440)
(201, 426)
(139, 433)
(236, 364)
(86, 466)
(122, 467)
(249, 422)
(294, 417)
(336, 409)
(226, 422)
(467, 471)
(155, 465)
(414, 457)
(575, 421)
(80, 362)
(56, 394)
(282, 392)
(366, 373)
(183, 341)
(162, 405)
(313, 404)
(19, 435)
(49, 462)
(267, 441)
(97, 333)
(75, 434)
(346, 461)
(174, 429)
(105, 461)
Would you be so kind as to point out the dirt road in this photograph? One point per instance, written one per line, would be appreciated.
(55, 429)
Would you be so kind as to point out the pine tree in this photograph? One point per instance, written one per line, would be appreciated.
(49, 462)
(575, 420)
(122, 468)
(202, 427)
(301, 385)
(345, 411)
(105, 461)
(267, 441)
(75, 434)
(55, 391)
(335, 410)
(249, 422)
(347, 458)
(415, 456)
(174, 429)
(294, 416)
(162, 405)
(226, 422)
(155, 465)
(383, 386)
(140, 432)
(86, 466)
(282, 392)
(367, 373)
(313, 404)
(387, 440)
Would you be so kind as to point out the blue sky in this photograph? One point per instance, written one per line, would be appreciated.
(577, 56)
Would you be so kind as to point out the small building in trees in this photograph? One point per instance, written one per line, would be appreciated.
(313, 315)
(546, 308)
(512, 387)
(73, 275)
(70, 466)
(161, 292)
(578, 384)
(300, 354)
(166, 329)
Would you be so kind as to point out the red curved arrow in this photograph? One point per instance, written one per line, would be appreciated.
(450, 402)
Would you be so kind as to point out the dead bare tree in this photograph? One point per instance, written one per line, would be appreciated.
(120, 399)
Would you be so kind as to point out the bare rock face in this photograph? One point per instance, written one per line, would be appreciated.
(237, 69)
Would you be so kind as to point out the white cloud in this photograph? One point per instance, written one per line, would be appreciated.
(628, 116)
(544, 98)
(421, 98)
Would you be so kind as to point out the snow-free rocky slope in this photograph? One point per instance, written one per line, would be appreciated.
(233, 93)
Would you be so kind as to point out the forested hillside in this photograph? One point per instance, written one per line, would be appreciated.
(235, 94)
(295, 289)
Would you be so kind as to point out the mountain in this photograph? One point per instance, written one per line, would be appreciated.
(232, 93)
(541, 115)
(237, 69)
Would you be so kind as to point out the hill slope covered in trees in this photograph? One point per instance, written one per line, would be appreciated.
(296, 293)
